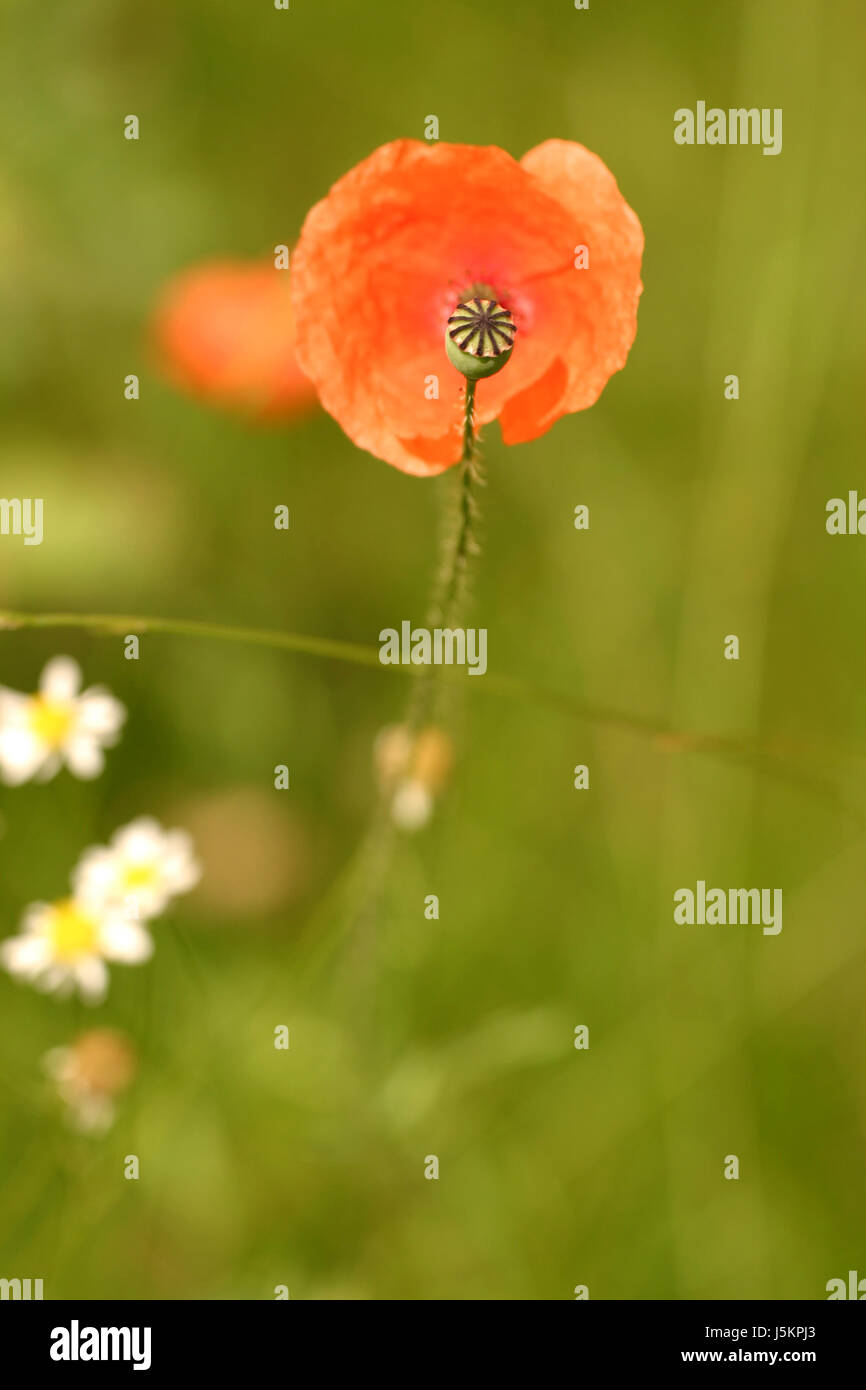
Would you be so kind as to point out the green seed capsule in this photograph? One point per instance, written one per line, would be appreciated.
(479, 338)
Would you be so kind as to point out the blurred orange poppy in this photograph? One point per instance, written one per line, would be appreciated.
(417, 228)
(224, 333)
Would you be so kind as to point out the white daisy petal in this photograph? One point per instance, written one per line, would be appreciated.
(412, 806)
(91, 974)
(141, 839)
(141, 904)
(22, 754)
(60, 679)
(13, 705)
(84, 757)
(100, 714)
(124, 940)
(94, 878)
(182, 870)
(26, 956)
(185, 876)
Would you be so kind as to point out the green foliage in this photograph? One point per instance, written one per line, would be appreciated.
(305, 1167)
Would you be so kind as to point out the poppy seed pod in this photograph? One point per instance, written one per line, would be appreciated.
(479, 338)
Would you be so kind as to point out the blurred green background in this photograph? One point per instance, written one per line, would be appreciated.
(453, 1037)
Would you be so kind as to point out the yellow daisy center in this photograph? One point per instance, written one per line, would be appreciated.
(50, 720)
(139, 875)
(72, 933)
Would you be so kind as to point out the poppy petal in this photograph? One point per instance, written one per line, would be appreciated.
(224, 333)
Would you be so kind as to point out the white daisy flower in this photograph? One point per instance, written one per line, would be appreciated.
(412, 769)
(141, 869)
(65, 945)
(89, 1074)
(412, 806)
(57, 725)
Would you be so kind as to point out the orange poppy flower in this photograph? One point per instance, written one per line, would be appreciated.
(417, 228)
(224, 333)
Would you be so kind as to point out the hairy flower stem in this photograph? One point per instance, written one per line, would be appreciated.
(469, 422)
(459, 544)
(465, 545)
